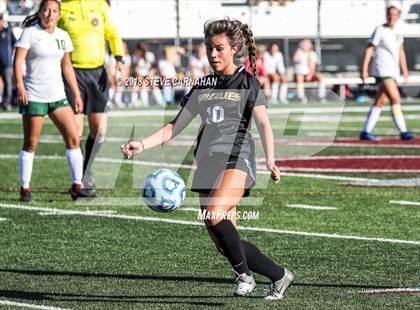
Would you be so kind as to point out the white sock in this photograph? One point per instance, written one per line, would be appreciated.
(118, 98)
(300, 91)
(75, 163)
(283, 92)
(322, 90)
(111, 94)
(398, 117)
(134, 96)
(158, 96)
(274, 91)
(372, 118)
(167, 94)
(144, 95)
(26, 160)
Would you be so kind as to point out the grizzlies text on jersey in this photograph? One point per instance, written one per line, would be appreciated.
(226, 112)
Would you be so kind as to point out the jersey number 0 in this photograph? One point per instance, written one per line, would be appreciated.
(216, 114)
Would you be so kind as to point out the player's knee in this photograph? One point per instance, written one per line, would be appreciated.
(30, 145)
(380, 103)
(98, 136)
(73, 142)
(395, 99)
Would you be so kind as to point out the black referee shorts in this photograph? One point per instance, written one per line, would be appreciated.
(210, 167)
(94, 89)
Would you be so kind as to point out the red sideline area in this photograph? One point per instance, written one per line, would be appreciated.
(383, 141)
(353, 163)
(398, 164)
(386, 142)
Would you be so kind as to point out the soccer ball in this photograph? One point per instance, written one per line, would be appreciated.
(164, 190)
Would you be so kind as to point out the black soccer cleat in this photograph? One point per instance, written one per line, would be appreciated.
(408, 135)
(25, 194)
(367, 136)
(89, 183)
(76, 191)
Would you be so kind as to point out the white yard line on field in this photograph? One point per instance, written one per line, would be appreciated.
(404, 202)
(390, 291)
(172, 165)
(30, 306)
(310, 207)
(2, 219)
(271, 110)
(67, 212)
(195, 223)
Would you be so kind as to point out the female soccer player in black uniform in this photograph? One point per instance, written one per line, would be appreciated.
(225, 150)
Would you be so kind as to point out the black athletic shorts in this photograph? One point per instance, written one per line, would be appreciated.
(210, 167)
(94, 89)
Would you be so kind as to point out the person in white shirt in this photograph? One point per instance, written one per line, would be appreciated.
(145, 68)
(168, 73)
(305, 62)
(276, 73)
(198, 66)
(386, 50)
(46, 50)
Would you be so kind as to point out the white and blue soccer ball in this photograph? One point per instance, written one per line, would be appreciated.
(164, 190)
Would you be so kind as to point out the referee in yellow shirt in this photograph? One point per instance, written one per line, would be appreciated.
(89, 24)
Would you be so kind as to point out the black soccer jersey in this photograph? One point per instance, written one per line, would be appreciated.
(225, 107)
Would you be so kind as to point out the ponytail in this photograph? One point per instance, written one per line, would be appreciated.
(251, 47)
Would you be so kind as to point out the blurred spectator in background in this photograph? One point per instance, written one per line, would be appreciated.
(276, 73)
(261, 72)
(3, 6)
(305, 62)
(20, 7)
(386, 45)
(120, 95)
(198, 65)
(7, 42)
(144, 62)
(167, 70)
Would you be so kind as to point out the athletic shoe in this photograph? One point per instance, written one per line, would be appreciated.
(245, 284)
(277, 289)
(76, 191)
(25, 194)
(364, 135)
(89, 182)
(408, 135)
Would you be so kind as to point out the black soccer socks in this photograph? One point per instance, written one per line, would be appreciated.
(92, 148)
(261, 264)
(230, 242)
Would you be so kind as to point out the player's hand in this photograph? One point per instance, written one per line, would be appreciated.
(364, 75)
(405, 76)
(78, 103)
(275, 171)
(131, 148)
(22, 96)
(118, 70)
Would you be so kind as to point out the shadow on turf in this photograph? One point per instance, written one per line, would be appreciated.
(171, 278)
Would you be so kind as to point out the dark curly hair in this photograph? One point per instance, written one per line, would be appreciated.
(239, 35)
